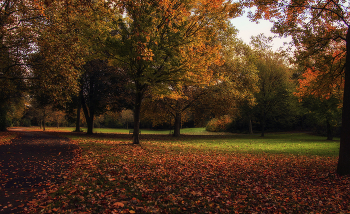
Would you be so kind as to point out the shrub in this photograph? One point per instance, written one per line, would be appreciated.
(219, 124)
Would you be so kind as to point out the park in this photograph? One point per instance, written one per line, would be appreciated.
(196, 173)
(124, 106)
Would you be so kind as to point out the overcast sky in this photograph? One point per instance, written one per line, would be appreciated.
(247, 29)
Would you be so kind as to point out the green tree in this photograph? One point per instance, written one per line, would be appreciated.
(324, 113)
(102, 87)
(275, 100)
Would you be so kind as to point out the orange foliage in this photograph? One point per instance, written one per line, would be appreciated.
(304, 84)
(311, 84)
(219, 124)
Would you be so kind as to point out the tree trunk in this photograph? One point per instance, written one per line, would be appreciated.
(90, 122)
(177, 124)
(44, 121)
(250, 127)
(137, 111)
(77, 123)
(329, 131)
(343, 167)
(3, 125)
(89, 116)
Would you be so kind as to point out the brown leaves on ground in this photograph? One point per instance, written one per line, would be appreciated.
(116, 177)
(30, 163)
(6, 137)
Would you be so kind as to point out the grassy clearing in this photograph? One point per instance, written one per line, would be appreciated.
(198, 138)
(283, 143)
(291, 143)
(186, 131)
(201, 174)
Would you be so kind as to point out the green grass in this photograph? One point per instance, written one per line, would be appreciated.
(185, 131)
(284, 143)
(292, 144)
(200, 139)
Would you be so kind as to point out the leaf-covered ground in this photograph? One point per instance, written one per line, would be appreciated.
(164, 177)
(29, 163)
(6, 137)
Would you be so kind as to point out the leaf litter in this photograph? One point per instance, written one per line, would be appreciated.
(29, 163)
(117, 177)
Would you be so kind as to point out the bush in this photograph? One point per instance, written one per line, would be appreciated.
(26, 122)
(219, 124)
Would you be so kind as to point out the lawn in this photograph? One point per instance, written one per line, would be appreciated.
(186, 131)
(287, 173)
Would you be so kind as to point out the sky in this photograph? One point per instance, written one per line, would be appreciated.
(247, 29)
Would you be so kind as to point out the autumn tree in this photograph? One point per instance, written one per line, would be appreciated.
(65, 44)
(127, 116)
(319, 29)
(231, 80)
(239, 85)
(17, 111)
(70, 42)
(18, 33)
(175, 107)
(163, 42)
(21, 27)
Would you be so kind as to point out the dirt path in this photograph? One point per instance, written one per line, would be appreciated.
(32, 162)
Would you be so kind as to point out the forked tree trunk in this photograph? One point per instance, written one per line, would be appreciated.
(177, 124)
(343, 167)
(89, 116)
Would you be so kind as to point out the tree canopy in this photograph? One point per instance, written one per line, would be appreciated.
(162, 43)
(319, 29)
